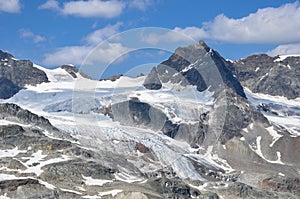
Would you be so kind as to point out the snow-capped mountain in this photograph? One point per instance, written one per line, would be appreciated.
(189, 129)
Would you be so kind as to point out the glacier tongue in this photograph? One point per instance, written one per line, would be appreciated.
(68, 104)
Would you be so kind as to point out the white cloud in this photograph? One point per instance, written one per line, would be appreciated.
(266, 26)
(89, 8)
(165, 37)
(10, 6)
(77, 54)
(93, 8)
(50, 4)
(25, 33)
(103, 54)
(101, 34)
(287, 49)
(140, 4)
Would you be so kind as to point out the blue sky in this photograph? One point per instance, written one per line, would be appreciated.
(52, 33)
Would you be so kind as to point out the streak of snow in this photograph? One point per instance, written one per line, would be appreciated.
(259, 152)
(6, 122)
(274, 135)
(71, 191)
(47, 185)
(124, 177)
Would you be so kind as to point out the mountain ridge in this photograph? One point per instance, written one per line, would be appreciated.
(190, 137)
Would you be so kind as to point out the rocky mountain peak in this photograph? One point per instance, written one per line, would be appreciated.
(16, 74)
(5, 55)
(194, 65)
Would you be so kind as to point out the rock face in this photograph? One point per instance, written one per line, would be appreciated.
(15, 113)
(16, 74)
(196, 65)
(269, 75)
(135, 113)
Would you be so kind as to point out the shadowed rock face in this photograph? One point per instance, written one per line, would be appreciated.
(262, 74)
(16, 74)
(196, 65)
(135, 113)
(7, 88)
(152, 80)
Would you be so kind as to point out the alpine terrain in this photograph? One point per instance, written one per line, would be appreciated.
(197, 126)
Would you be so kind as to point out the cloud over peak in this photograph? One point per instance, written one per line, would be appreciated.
(266, 26)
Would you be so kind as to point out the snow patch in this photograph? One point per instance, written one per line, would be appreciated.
(36, 162)
(4, 196)
(90, 181)
(113, 193)
(11, 152)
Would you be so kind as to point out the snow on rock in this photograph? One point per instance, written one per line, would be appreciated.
(290, 122)
(36, 162)
(283, 57)
(258, 151)
(90, 181)
(4, 196)
(113, 193)
(11, 152)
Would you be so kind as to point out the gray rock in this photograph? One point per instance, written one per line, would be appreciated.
(152, 81)
(262, 74)
(16, 74)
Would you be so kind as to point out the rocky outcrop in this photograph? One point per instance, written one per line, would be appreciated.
(113, 78)
(282, 184)
(152, 80)
(15, 113)
(264, 74)
(72, 70)
(16, 74)
(136, 113)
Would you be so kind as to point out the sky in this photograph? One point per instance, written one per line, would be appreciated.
(121, 36)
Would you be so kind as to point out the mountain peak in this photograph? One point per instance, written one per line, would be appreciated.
(194, 65)
(5, 55)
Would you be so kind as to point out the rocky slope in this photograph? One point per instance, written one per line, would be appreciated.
(270, 75)
(187, 130)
